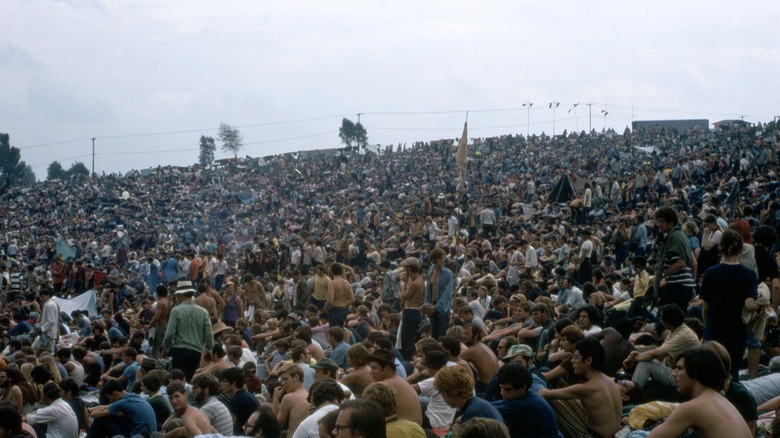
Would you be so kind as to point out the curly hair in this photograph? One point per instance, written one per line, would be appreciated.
(454, 382)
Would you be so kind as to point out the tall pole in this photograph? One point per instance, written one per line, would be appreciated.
(528, 119)
(554, 105)
(590, 117)
(93, 155)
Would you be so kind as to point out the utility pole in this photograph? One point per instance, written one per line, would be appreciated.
(359, 114)
(528, 120)
(590, 117)
(93, 155)
(554, 105)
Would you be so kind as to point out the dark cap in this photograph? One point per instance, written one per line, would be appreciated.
(149, 364)
(325, 364)
(434, 359)
(382, 357)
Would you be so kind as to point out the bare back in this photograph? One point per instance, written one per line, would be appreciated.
(196, 422)
(710, 414)
(601, 400)
(413, 293)
(299, 409)
(483, 360)
(408, 401)
(162, 312)
(340, 292)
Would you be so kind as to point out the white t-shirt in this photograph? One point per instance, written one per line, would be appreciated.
(438, 412)
(309, 427)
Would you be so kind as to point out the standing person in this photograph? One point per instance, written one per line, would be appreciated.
(340, 296)
(391, 288)
(674, 281)
(700, 373)
(412, 298)
(726, 289)
(438, 293)
(487, 219)
(57, 414)
(319, 293)
(234, 308)
(48, 322)
(57, 269)
(159, 322)
(189, 331)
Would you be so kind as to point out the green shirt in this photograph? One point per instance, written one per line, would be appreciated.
(189, 326)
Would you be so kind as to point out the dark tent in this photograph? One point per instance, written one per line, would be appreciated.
(563, 190)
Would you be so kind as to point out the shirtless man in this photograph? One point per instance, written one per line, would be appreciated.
(411, 299)
(219, 301)
(479, 356)
(700, 373)
(253, 296)
(194, 421)
(319, 293)
(159, 322)
(360, 377)
(206, 302)
(599, 396)
(293, 408)
(382, 364)
(340, 295)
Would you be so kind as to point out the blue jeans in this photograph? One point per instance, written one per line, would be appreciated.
(337, 316)
(410, 322)
(440, 322)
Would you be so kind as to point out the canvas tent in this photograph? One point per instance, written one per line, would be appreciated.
(563, 190)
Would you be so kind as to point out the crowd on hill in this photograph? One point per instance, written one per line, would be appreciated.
(582, 285)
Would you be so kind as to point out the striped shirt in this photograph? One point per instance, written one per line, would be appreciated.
(219, 415)
(672, 247)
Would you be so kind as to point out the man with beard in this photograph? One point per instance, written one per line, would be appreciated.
(184, 419)
(479, 356)
(205, 388)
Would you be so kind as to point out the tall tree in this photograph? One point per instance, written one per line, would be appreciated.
(231, 139)
(347, 132)
(361, 137)
(78, 168)
(12, 168)
(207, 148)
(55, 171)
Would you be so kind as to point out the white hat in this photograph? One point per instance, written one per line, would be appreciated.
(184, 287)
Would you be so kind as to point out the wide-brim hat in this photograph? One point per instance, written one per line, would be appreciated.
(184, 287)
(219, 327)
(149, 363)
(382, 357)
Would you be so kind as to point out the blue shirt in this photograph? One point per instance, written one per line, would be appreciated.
(476, 407)
(530, 416)
(242, 404)
(129, 374)
(136, 412)
(339, 355)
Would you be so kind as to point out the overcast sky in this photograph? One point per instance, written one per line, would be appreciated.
(148, 78)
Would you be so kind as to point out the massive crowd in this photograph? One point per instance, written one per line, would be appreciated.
(584, 285)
